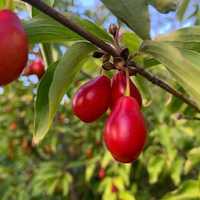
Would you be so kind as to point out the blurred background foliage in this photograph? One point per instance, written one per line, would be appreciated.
(72, 163)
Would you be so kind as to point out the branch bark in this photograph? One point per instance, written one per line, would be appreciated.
(40, 5)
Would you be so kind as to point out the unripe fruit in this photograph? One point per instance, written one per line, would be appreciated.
(35, 68)
(92, 99)
(13, 47)
(118, 86)
(125, 131)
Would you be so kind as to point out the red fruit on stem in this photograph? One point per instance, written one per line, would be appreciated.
(118, 85)
(35, 68)
(92, 99)
(13, 47)
(125, 131)
(101, 173)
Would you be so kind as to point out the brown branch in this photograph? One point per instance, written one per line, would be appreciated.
(106, 47)
(40, 5)
(185, 117)
(155, 80)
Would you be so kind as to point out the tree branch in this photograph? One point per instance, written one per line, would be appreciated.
(155, 80)
(71, 25)
(106, 47)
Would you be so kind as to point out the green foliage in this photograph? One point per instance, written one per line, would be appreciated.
(68, 160)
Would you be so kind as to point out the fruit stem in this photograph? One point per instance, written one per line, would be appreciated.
(127, 91)
(9, 4)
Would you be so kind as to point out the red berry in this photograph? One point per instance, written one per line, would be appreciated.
(13, 126)
(13, 47)
(125, 131)
(118, 85)
(101, 173)
(114, 189)
(92, 99)
(36, 67)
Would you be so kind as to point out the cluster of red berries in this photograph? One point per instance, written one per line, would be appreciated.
(125, 131)
(14, 49)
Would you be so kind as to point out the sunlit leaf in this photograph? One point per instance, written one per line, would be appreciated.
(134, 13)
(188, 190)
(44, 29)
(184, 65)
(54, 85)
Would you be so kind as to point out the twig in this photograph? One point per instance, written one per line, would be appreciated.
(155, 80)
(71, 25)
(181, 116)
(106, 47)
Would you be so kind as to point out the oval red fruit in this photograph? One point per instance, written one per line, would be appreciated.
(36, 67)
(125, 131)
(118, 85)
(13, 47)
(92, 99)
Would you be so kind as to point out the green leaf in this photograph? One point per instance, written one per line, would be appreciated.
(131, 41)
(164, 6)
(176, 170)
(66, 71)
(66, 181)
(51, 186)
(184, 65)
(134, 13)
(41, 119)
(54, 85)
(155, 167)
(43, 29)
(193, 159)
(188, 190)
(89, 171)
(182, 9)
(124, 195)
(2, 3)
(185, 38)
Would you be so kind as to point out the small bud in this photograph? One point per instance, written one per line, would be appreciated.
(113, 29)
(119, 63)
(125, 53)
(106, 58)
(98, 54)
(108, 66)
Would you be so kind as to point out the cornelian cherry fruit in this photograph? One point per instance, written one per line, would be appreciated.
(13, 47)
(125, 132)
(118, 85)
(92, 99)
(35, 68)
